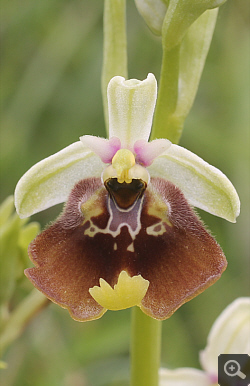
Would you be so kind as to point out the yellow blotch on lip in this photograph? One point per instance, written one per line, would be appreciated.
(128, 292)
(122, 161)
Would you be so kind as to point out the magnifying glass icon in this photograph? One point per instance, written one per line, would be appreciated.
(232, 368)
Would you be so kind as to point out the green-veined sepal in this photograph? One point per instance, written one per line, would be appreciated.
(50, 181)
(131, 108)
(205, 186)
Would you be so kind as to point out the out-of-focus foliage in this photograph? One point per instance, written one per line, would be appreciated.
(51, 95)
(15, 236)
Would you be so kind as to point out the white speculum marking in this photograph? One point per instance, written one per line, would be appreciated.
(156, 229)
(131, 247)
(131, 218)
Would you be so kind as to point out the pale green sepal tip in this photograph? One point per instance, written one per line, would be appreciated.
(205, 186)
(50, 181)
(131, 108)
(230, 334)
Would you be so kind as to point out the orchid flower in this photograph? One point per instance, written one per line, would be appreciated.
(230, 334)
(128, 235)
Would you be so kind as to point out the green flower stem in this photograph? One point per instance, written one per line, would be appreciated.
(18, 319)
(165, 123)
(145, 349)
(181, 71)
(114, 46)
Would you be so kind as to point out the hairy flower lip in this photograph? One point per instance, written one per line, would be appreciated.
(127, 199)
(73, 253)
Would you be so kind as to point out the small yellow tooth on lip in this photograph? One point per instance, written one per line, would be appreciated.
(128, 292)
(122, 161)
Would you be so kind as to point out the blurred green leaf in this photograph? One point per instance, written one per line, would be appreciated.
(54, 347)
(15, 237)
(8, 257)
(6, 209)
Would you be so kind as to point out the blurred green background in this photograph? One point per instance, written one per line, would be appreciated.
(51, 95)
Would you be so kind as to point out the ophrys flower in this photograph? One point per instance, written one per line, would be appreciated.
(230, 334)
(128, 235)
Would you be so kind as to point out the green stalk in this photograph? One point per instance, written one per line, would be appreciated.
(114, 46)
(182, 66)
(165, 123)
(145, 349)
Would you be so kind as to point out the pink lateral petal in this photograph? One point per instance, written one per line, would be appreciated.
(146, 152)
(104, 148)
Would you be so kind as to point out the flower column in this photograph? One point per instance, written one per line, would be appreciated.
(128, 235)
